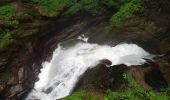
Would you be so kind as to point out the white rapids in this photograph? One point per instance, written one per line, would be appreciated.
(59, 76)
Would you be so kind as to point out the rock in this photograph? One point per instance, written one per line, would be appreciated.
(156, 79)
(3, 2)
(106, 62)
(3, 64)
(8, 24)
(24, 32)
(150, 76)
(15, 89)
(21, 75)
(139, 75)
(2, 86)
(103, 78)
(24, 18)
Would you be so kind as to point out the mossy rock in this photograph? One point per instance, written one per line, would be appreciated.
(4, 2)
(23, 33)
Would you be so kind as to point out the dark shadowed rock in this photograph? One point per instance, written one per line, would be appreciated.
(106, 62)
(102, 78)
(156, 79)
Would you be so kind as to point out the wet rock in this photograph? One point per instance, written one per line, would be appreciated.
(153, 75)
(2, 86)
(8, 24)
(21, 75)
(138, 73)
(103, 78)
(15, 89)
(106, 62)
(156, 80)
(3, 2)
(3, 62)
(24, 18)
(25, 31)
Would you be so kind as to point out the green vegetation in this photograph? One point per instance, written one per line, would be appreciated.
(135, 93)
(7, 13)
(5, 39)
(7, 18)
(94, 7)
(82, 95)
(53, 7)
(126, 11)
(126, 8)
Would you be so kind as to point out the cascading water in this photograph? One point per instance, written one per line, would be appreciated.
(59, 76)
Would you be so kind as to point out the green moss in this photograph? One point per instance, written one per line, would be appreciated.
(74, 9)
(53, 7)
(81, 95)
(7, 13)
(76, 96)
(91, 6)
(126, 11)
(5, 39)
(94, 7)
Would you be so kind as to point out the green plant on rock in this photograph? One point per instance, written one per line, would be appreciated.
(7, 13)
(136, 92)
(8, 16)
(94, 7)
(81, 95)
(126, 11)
(5, 39)
(76, 7)
(53, 7)
(91, 6)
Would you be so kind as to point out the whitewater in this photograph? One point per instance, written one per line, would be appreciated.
(58, 77)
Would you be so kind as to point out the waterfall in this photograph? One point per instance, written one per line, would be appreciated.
(59, 76)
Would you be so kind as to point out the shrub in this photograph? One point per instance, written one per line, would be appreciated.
(5, 39)
(8, 16)
(7, 13)
(126, 11)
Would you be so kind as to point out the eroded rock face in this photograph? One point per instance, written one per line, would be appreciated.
(149, 77)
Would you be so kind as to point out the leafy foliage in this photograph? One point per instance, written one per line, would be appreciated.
(5, 39)
(7, 13)
(126, 11)
(82, 95)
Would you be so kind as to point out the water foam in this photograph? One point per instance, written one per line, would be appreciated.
(59, 76)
